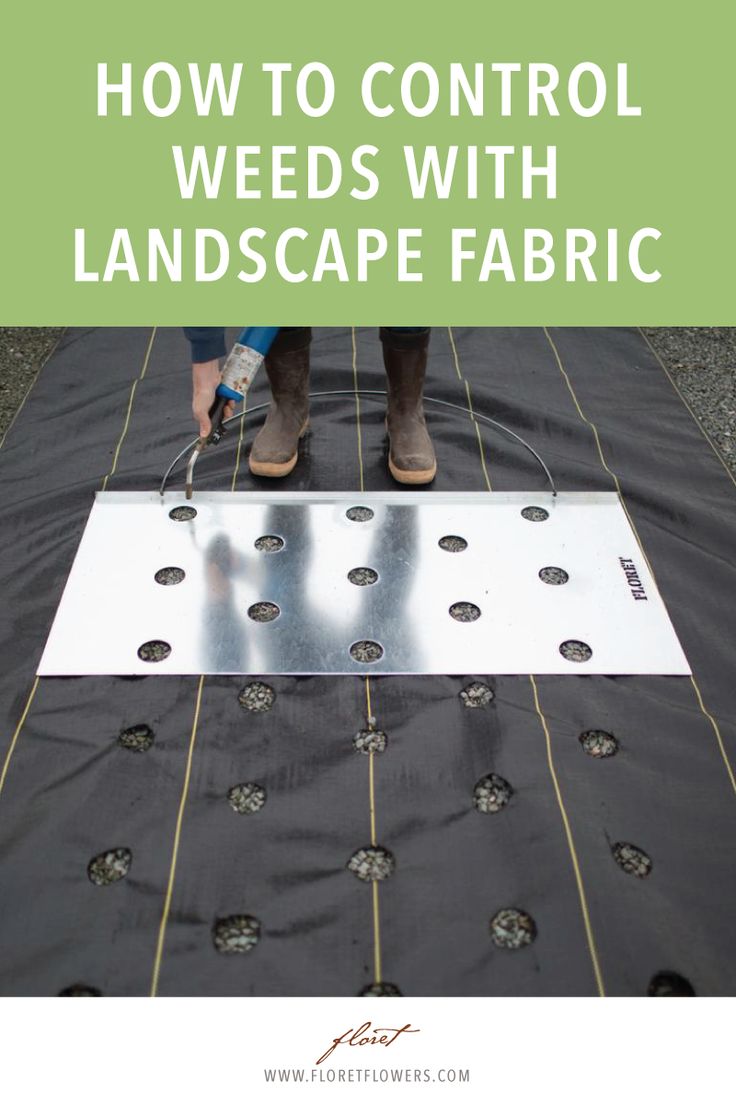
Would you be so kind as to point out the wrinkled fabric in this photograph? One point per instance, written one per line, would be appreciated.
(73, 792)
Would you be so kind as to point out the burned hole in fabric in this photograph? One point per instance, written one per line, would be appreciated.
(491, 793)
(669, 984)
(359, 513)
(269, 543)
(109, 866)
(80, 990)
(512, 929)
(476, 695)
(138, 737)
(464, 611)
(381, 989)
(154, 651)
(257, 697)
(170, 576)
(372, 864)
(598, 743)
(554, 576)
(263, 611)
(246, 798)
(363, 576)
(453, 544)
(183, 513)
(236, 934)
(576, 651)
(366, 651)
(534, 513)
(632, 859)
(370, 739)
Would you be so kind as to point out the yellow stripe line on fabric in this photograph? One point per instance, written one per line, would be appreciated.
(33, 382)
(236, 470)
(377, 967)
(126, 424)
(698, 695)
(570, 844)
(16, 734)
(175, 849)
(460, 376)
(550, 762)
(685, 403)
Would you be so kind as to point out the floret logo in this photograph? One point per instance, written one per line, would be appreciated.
(367, 1035)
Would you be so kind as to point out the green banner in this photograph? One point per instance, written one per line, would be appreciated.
(390, 164)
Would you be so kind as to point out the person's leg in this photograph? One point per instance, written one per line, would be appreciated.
(276, 448)
(411, 456)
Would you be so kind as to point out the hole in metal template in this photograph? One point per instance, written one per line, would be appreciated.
(263, 611)
(535, 513)
(80, 990)
(464, 611)
(632, 859)
(269, 543)
(372, 864)
(453, 544)
(669, 984)
(359, 513)
(170, 576)
(182, 513)
(512, 929)
(599, 744)
(555, 576)
(236, 934)
(577, 651)
(153, 651)
(366, 651)
(257, 697)
(363, 576)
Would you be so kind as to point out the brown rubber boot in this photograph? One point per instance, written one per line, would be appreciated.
(275, 450)
(411, 457)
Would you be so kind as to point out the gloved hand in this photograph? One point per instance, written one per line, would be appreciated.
(205, 378)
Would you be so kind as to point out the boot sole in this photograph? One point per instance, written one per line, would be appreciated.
(412, 477)
(276, 471)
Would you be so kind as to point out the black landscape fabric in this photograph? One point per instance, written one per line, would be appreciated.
(601, 873)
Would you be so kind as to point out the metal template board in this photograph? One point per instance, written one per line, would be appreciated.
(368, 583)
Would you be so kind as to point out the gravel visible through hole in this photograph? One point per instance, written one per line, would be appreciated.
(476, 695)
(535, 513)
(372, 864)
(491, 794)
(599, 744)
(453, 544)
(359, 513)
(263, 611)
(512, 929)
(269, 543)
(669, 984)
(257, 697)
(577, 651)
(246, 798)
(154, 651)
(370, 739)
(136, 738)
(363, 576)
(80, 991)
(170, 576)
(464, 611)
(381, 989)
(182, 513)
(632, 859)
(555, 576)
(366, 651)
(236, 934)
(109, 866)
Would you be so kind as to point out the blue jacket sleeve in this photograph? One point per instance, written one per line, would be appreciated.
(208, 342)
